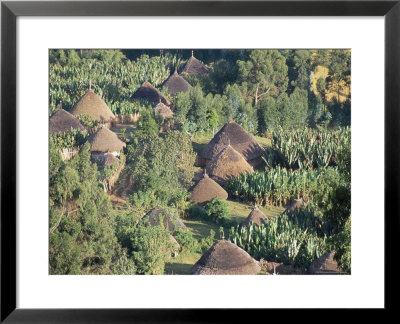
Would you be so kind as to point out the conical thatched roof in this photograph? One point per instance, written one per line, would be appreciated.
(176, 83)
(163, 110)
(110, 159)
(235, 135)
(151, 94)
(325, 264)
(256, 216)
(91, 104)
(63, 121)
(206, 190)
(227, 164)
(297, 204)
(171, 222)
(194, 67)
(104, 140)
(225, 258)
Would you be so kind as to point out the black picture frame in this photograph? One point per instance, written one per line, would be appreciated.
(10, 10)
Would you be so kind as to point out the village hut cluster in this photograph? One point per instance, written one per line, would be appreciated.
(230, 153)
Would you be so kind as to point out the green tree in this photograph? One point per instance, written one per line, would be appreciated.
(82, 239)
(151, 249)
(263, 74)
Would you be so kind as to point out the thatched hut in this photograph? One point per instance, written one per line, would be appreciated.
(206, 190)
(227, 164)
(296, 204)
(256, 216)
(91, 104)
(325, 264)
(194, 67)
(175, 83)
(163, 110)
(170, 221)
(151, 94)
(235, 135)
(62, 121)
(104, 141)
(226, 258)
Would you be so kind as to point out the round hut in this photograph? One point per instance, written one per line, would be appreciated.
(170, 221)
(91, 104)
(325, 264)
(163, 110)
(175, 83)
(235, 135)
(206, 190)
(194, 67)
(227, 164)
(256, 216)
(297, 204)
(62, 121)
(151, 94)
(226, 258)
(104, 142)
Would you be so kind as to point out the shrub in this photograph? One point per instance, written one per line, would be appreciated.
(151, 249)
(207, 242)
(218, 210)
(186, 241)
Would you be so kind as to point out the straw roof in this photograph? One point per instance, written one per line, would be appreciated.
(325, 264)
(91, 104)
(110, 159)
(163, 110)
(206, 190)
(63, 121)
(104, 140)
(149, 93)
(297, 204)
(225, 258)
(194, 67)
(256, 216)
(170, 221)
(176, 83)
(235, 135)
(227, 164)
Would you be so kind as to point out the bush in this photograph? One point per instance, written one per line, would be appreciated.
(207, 242)
(195, 211)
(341, 243)
(218, 210)
(152, 248)
(186, 241)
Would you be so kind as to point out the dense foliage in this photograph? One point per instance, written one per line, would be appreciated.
(299, 99)
(295, 237)
(308, 148)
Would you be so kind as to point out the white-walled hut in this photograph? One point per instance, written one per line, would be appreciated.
(235, 135)
(175, 83)
(63, 121)
(104, 142)
(91, 104)
(149, 93)
(227, 164)
(226, 258)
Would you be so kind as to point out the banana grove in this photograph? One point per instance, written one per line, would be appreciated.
(113, 82)
(296, 238)
(307, 148)
(275, 187)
